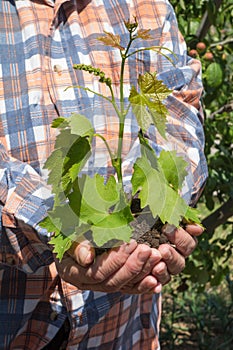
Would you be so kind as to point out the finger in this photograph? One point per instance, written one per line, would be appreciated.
(146, 285)
(161, 273)
(154, 259)
(194, 229)
(111, 261)
(183, 241)
(96, 274)
(132, 268)
(175, 262)
(83, 253)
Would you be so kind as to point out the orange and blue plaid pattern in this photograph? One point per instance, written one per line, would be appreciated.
(40, 41)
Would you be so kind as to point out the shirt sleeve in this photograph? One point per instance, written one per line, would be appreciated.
(24, 201)
(185, 118)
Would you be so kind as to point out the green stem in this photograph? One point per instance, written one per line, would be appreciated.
(122, 109)
(157, 49)
(90, 90)
(114, 161)
(106, 144)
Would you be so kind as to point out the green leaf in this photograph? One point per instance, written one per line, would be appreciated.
(173, 168)
(182, 5)
(100, 206)
(74, 160)
(81, 125)
(114, 226)
(147, 151)
(70, 153)
(96, 197)
(214, 75)
(59, 122)
(148, 104)
(54, 165)
(139, 104)
(102, 235)
(64, 218)
(174, 207)
(191, 215)
(155, 191)
(49, 225)
(60, 245)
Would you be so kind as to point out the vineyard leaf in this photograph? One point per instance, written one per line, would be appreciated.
(139, 106)
(64, 218)
(114, 225)
(155, 191)
(174, 207)
(64, 139)
(191, 215)
(148, 181)
(81, 125)
(110, 39)
(173, 168)
(144, 34)
(49, 225)
(148, 104)
(66, 161)
(102, 235)
(59, 122)
(92, 200)
(54, 165)
(154, 88)
(60, 244)
(147, 151)
(95, 203)
(75, 159)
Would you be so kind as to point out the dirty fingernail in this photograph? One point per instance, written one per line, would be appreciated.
(168, 229)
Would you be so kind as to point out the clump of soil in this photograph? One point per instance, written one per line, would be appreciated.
(153, 237)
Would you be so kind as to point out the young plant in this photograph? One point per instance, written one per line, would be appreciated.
(100, 209)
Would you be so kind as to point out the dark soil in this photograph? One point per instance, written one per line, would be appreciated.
(154, 236)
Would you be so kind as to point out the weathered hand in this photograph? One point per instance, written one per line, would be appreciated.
(126, 269)
(173, 258)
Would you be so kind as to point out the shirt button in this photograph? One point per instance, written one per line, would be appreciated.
(58, 69)
(53, 315)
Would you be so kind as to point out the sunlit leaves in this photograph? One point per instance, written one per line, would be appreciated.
(173, 168)
(72, 149)
(92, 206)
(147, 104)
(155, 190)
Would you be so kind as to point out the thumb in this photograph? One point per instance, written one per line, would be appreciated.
(83, 253)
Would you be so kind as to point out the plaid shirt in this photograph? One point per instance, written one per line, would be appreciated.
(39, 43)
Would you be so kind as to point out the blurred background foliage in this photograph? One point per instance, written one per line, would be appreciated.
(198, 305)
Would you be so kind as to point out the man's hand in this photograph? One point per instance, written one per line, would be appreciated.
(130, 268)
(126, 269)
(173, 256)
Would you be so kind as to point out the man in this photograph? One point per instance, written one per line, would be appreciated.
(112, 302)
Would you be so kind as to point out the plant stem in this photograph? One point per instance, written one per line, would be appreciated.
(106, 144)
(122, 109)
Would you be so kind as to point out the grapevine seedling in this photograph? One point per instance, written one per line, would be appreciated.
(156, 180)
